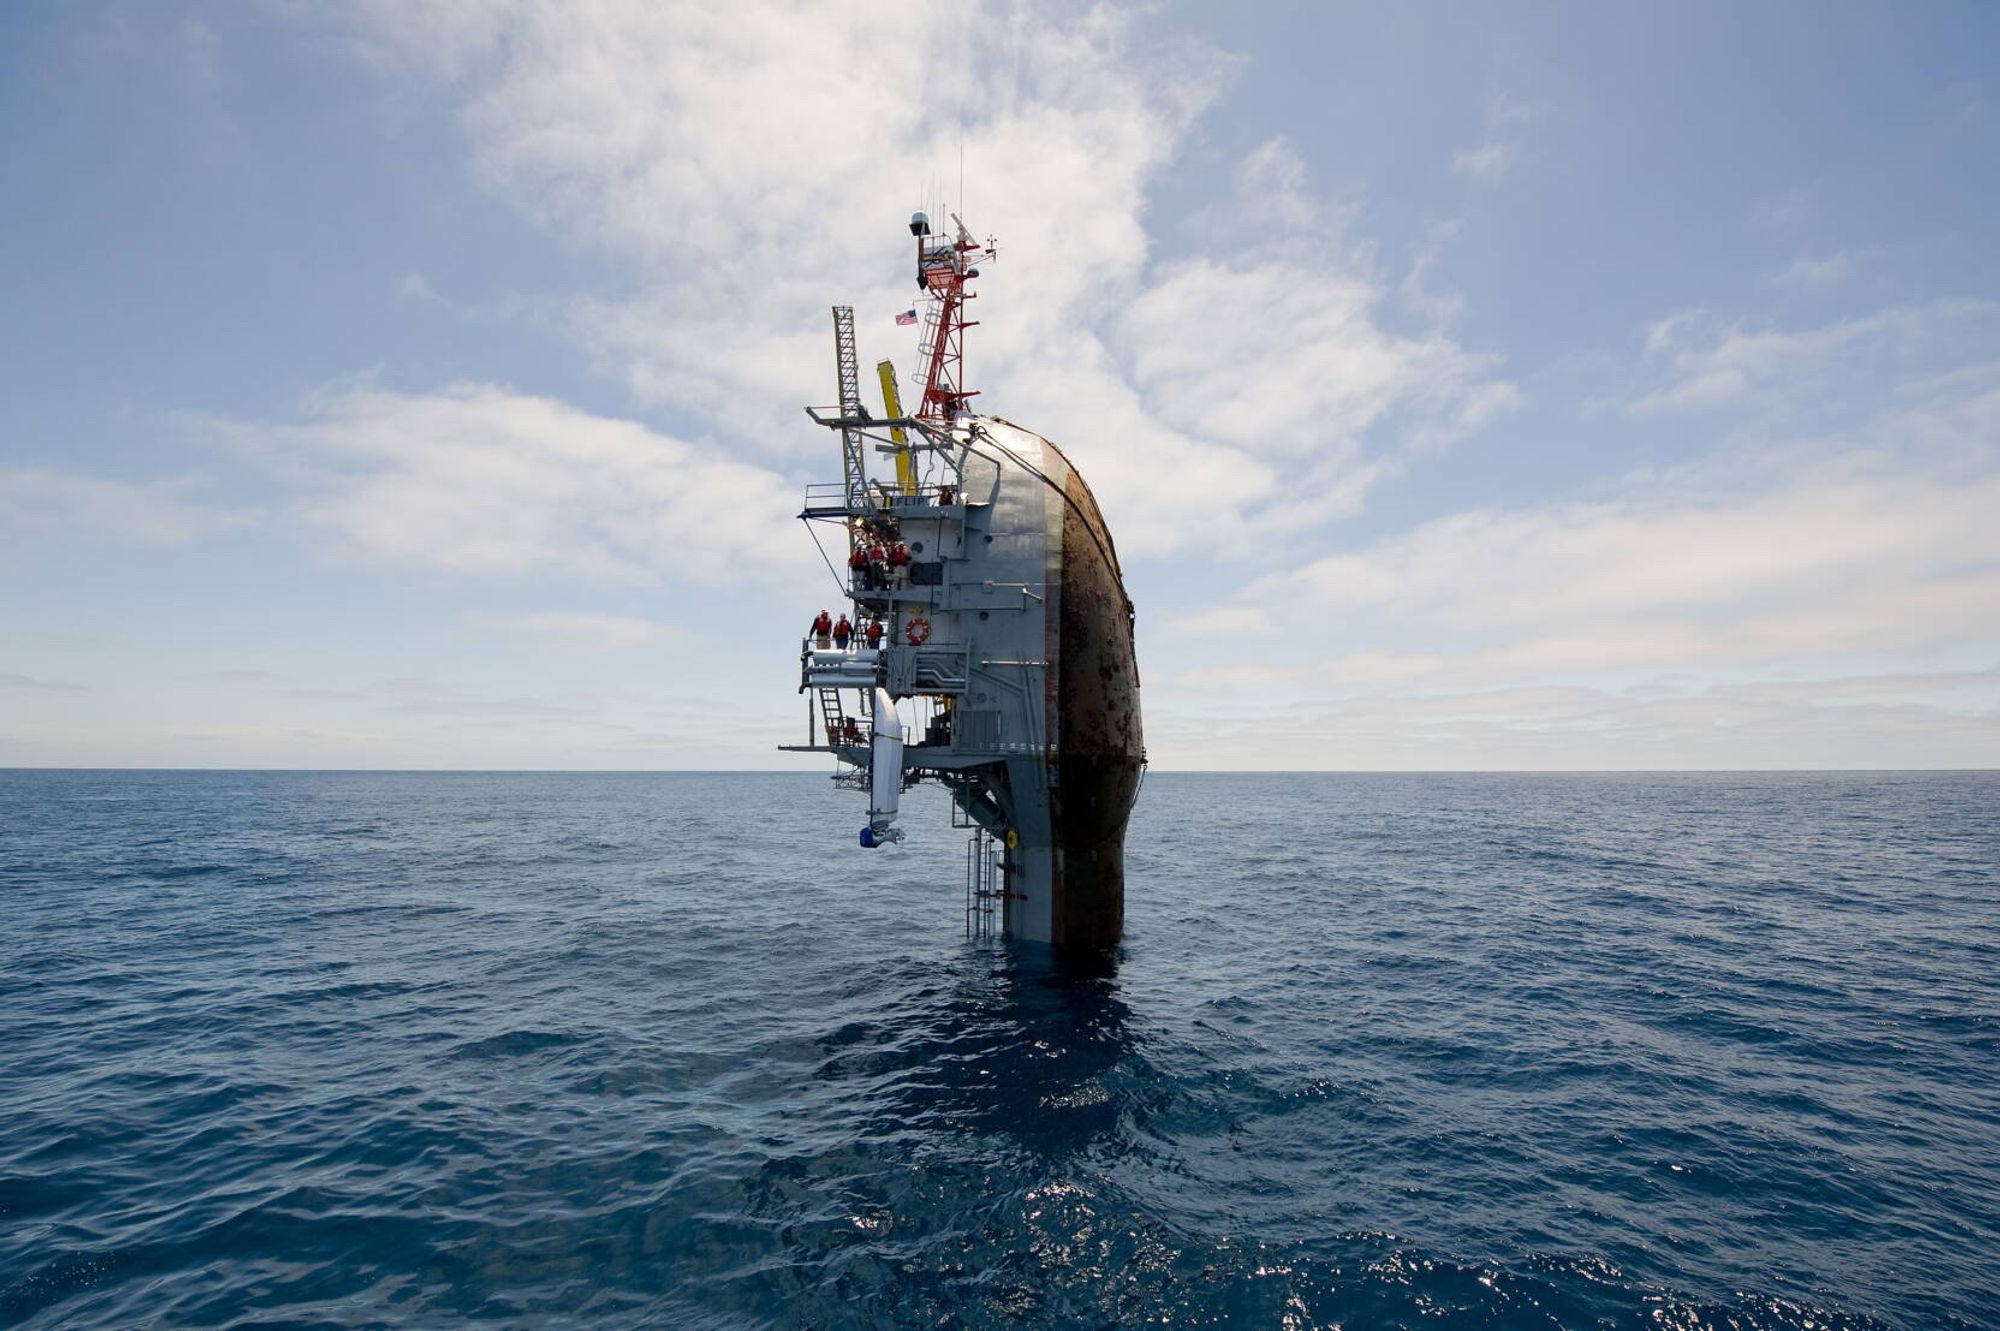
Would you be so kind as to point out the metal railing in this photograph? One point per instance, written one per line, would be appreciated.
(878, 498)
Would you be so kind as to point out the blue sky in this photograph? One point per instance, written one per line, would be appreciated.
(1468, 387)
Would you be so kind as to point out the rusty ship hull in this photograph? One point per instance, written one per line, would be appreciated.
(1094, 713)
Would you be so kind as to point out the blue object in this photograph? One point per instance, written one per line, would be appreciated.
(868, 841)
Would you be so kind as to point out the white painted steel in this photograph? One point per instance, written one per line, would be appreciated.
(885, 769)
(836, 670)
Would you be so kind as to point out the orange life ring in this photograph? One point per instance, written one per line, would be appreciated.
(918, 631)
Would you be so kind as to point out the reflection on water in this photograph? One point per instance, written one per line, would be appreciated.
(1020, 1051)
(993, 1103)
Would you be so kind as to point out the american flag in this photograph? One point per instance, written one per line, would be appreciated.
(906, 317)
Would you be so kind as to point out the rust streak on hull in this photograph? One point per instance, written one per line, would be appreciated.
(1096, 721)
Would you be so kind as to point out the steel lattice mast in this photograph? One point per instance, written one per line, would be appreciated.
(943, 268)
(853, 469)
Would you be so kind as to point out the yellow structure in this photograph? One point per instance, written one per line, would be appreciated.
(906, 463)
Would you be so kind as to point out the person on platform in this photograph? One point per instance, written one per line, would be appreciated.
(874, 634)
(857, 565)
(842, 632)
(822, 629)
(899, 563)
(878, 566)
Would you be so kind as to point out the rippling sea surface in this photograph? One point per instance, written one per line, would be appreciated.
(296, 1049)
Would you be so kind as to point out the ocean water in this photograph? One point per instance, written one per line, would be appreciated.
(669, 1050)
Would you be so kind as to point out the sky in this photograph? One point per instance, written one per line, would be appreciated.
(1467, 387)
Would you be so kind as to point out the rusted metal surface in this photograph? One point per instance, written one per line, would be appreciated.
(1095, 723)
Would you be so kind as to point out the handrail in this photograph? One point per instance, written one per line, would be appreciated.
(826, 497)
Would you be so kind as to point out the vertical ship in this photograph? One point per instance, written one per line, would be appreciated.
(992, 639)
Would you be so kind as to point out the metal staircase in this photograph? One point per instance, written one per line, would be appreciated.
(832, 714)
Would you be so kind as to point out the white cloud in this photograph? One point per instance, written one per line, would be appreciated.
(1810, 272)
(1225, 621)
(1807, 603)
(10, 680)
(416, 289)
(590, 630)
(1439, 308)
(1254, 390)
(1711, 364)
(755, 165)
(1272, 198)
(1292, 398)
(757, 161)
(1487, 163)
(1728, 362)
(1263, 355)
(275, 720)
(1822, 559)
(1950, 719)
(151, 513)
(1869, 561)
(479, 479)
(1340, 672)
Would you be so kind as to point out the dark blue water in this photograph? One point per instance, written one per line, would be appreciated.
(1381, 1051)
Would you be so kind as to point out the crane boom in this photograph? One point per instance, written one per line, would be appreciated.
(853, 465)
(892, 402)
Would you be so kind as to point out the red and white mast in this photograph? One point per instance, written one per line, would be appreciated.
(944, 266)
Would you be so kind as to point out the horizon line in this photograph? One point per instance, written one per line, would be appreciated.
(1163, 771)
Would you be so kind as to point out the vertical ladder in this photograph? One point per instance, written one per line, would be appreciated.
(831, 713)
(984, 886)
(921, 375)
(853, 470)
